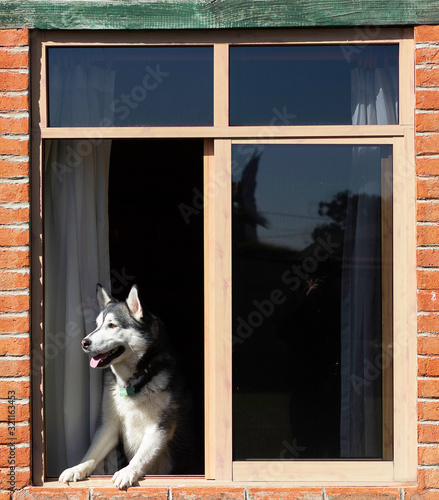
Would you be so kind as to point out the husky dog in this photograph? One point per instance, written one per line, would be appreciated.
(144, 403)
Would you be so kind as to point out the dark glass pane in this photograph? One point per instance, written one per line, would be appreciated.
(314, 85)
(130, 86)
(310, 254)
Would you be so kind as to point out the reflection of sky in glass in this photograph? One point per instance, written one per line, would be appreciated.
(292, 179)
(155, 86)
(300, 85)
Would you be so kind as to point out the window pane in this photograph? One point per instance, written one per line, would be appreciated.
(130, 86)
(312, 248)
(119, 213)
(314, 85)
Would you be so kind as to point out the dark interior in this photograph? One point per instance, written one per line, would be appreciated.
(154, 246)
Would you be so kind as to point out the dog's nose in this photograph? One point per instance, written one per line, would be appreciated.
(85, 343)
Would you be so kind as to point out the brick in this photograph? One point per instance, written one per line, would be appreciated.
(132, 493)
(427, 144)
(428, 388)
(428, 188)
(10, 37)
(14, 146)
(16, 389)
(14, 346)
(431, 478)
(12, 191)
(283, 493)
(428, 410)
(14, 236)
(14, 303)
(427, 55)
(428, 234)
(14, 324)
(12, 258)
(428, 280)
(22, 478)
(426, 33)
(20, 433)
(427, 165)
(59, 493)
(413, 494)
(17, 102)
(426, 122)
(428, 345)
(10, 58)
(362, 493)
(14, 215)
(13, 80)
(427, 211)
(13, 168)
(427, 99)
(424, 77)
(428, 366)
(21, 456)
(428, 455)
(14, 367)
(427, 257)
(428, 300)
(14, 125)
(17, 412)
(427, 323)
(10, 280)
(5, 495)
(428, 433)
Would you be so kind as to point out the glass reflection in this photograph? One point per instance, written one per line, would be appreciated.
(314, 85)
(130, 86)
(308, 267)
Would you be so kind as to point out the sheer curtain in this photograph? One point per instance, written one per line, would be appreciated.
(374, 101)
(76, 258)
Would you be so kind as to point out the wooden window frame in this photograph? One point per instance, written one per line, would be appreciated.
(218, 140)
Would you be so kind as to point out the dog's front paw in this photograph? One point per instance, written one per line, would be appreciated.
(124, 478)
(74, 474)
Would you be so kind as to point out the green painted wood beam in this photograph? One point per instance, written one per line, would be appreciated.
(207, 14)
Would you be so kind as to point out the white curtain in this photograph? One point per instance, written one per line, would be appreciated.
(374, 101)
(374, 94)
(76, 258)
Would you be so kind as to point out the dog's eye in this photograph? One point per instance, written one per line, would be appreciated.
(111, 325)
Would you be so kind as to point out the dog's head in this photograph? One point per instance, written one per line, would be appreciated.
(121, 332)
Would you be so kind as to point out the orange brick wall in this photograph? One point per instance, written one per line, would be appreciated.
(14, 295)
(427, 171)
(14, 261)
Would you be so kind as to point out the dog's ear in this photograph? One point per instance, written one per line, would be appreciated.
(133, 303)
(103, 296)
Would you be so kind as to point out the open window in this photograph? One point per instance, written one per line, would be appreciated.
(259, 188)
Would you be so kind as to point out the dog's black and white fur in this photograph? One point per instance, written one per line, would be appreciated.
(143, 402)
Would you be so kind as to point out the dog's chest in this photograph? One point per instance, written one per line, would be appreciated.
(139, 416)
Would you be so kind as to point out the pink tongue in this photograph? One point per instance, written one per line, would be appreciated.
(95, 359)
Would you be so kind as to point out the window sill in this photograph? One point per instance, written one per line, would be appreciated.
(177, 482)
(187, 488)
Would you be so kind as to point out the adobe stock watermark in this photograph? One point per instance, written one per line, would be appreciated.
(127, 102)
(366, 35)
(291, 450)
(11, 441)
(73, 156)
(221, 180)
(373, 370)
(293, 278)
(87, 310)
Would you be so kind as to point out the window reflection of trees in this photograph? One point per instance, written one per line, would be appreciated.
(308, 324)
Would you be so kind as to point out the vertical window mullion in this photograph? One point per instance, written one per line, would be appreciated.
(404, 311)
(218, 282)
(221, 84)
